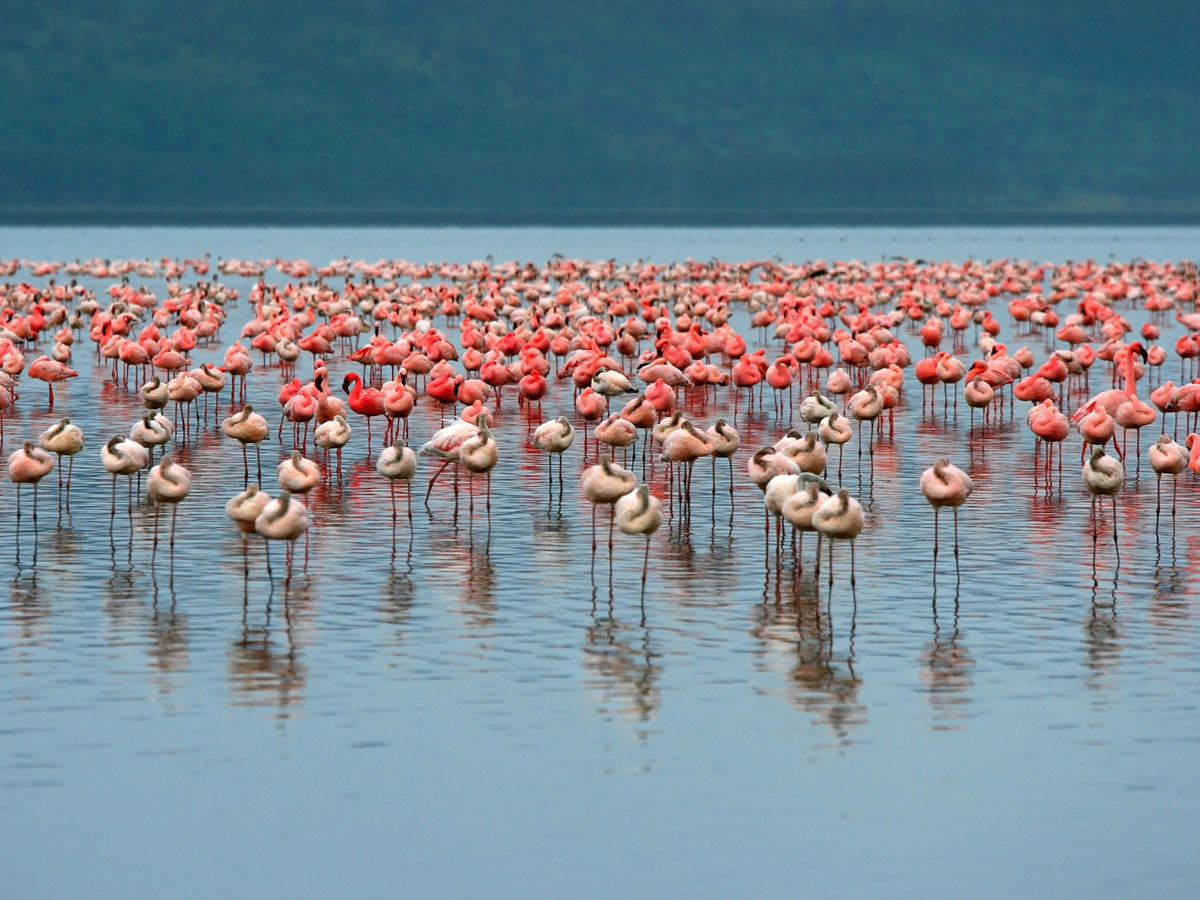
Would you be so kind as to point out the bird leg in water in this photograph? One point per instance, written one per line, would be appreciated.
(1115, 545)
(956, 537)
(433, 479)
(645, 566)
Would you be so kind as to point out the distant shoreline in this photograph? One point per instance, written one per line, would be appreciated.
(279, 217)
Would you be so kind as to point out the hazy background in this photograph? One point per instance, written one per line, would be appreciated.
(628, 110)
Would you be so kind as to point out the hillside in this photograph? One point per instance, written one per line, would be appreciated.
(550, 106)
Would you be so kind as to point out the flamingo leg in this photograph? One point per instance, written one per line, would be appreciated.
(1115, 545)
(645, 566)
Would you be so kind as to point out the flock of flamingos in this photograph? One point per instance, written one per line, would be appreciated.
(612, 350)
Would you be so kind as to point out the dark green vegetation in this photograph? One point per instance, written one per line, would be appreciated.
(549, 108)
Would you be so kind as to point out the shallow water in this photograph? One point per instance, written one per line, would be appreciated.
(482, 709)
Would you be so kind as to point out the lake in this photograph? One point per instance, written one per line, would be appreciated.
(483, 708)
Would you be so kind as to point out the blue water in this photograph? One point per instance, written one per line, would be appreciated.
(474, 711)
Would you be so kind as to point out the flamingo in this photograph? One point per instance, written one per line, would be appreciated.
(298, 474)
(798, 510)
(29, 465)
(446, 444)
(1167, 458)
(685, 444)
(333, 436)
(724, 440)
(283, 519)
(840, 518)
(865, 406)
(1111, 400)
(1103, 477)
(245, 507)
(247, 427)
(616, 432)
(167, 483)
(50, 371)
(554, 438)
(604, 484)
(398, 463)
(816, 408)
(639, 512)
(154, 393)
(123, 456)
(64, 439)
(945, 485)
(368, 402)
(152, 430)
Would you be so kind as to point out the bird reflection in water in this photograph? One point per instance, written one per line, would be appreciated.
(1171, 602)
(168, 633)
(622, 662)
(946, 668)
(399, 595)
(261, 672)
(1101, 635)
(28, 607)
(479, 588)
(799, 636)
(122, 601)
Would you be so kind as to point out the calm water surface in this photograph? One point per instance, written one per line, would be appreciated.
(481, 709)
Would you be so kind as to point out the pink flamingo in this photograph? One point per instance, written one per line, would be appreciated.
(945, 485)
(48, 370)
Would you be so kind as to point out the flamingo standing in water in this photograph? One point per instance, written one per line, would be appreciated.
(554, 437)
(368, 402)
(1112, 400)
(123, 456)
(1167, 458)
(50, 371)
(1049, 425)
(152, 430)
(299, 475)
(639, 512)
(245, 507)
(799, 508)
(283, 519)
(247, 427)
(167, 483)
(724, 440)
(605, 483)
(398, 463)
(1103, 477)
(945, 485)
(29, 465)
(446, 444)
(154, 393)
(840, 518)
(333, 436)
(478, 454)
(66, 440)
(685, 444)
(616, 432)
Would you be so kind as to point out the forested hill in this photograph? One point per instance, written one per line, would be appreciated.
(549, 106)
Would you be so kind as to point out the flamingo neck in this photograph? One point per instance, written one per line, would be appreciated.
(1130, 375)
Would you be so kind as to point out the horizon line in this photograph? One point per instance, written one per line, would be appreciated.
(118, 216)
